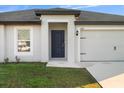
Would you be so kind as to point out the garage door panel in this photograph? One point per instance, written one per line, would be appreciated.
(95, 46)
(102, 45)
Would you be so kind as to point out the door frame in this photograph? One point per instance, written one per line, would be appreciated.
(65, 40)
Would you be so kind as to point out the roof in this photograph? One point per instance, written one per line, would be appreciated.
(24, 16)
(89, 17)
(85, 17)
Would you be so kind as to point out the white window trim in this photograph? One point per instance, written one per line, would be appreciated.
(16, 53)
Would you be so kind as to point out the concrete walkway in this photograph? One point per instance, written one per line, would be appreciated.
(108, 74)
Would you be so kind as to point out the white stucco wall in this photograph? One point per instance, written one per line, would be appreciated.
(1, 43)
(9, 43)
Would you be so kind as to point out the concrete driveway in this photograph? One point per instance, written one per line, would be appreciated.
(108, 74)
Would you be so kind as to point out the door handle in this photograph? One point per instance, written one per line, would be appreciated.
(83, 53)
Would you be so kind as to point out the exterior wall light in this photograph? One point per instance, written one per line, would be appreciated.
(77, 33)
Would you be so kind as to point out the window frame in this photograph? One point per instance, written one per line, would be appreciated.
(16, 52)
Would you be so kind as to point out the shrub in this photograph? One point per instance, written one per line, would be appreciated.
(17, 59)
(6, 60)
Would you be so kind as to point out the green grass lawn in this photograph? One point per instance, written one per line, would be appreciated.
(38, 75)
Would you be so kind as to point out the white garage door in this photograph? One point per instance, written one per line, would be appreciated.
(102, 45)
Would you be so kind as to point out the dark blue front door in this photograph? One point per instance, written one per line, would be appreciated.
(57, 44)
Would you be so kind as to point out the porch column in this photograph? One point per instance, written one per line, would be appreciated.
(71, 39)
(2, 43)
(44, 41)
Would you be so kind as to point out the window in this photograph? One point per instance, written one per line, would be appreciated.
(23, 41)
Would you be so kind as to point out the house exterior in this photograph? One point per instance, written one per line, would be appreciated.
(61, 37)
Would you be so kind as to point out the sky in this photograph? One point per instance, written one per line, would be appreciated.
(111, 9)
